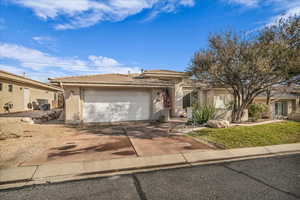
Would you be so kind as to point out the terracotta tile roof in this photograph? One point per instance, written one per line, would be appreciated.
(110, 79)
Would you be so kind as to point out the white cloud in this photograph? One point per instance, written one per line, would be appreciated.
(12, 69)
(109, 65)
(46, 42)
(249, 3)
(85, 13)
(38, 61)
(286, 8)
(42, 39)
(35, 75)
(103, 61)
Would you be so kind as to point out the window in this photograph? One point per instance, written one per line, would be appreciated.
(1, 85)
(10, 88)
(281, 108)
(190, 99)
(187, 100)
(219, 102)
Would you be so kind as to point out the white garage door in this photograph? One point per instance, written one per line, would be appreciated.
(116, 105)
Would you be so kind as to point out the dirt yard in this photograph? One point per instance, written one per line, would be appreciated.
(56, 143)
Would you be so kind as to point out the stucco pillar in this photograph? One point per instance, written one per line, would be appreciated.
(201, 97)
(297, 110)
(177, 100)
(289, 107)
(157, 103)
(210, 97)
(73, 111)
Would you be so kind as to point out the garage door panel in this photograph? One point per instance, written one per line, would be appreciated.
(112, 106)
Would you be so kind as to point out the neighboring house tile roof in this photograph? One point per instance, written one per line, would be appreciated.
(24, 80)
(282, 92)
(165, 74)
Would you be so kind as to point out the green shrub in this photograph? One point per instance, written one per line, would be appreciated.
(256, 111)
(201, 114)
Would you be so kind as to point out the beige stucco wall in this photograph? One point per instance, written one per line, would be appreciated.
(207, 96)
(16, 97)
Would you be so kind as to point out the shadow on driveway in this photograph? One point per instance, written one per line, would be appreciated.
(102, 142)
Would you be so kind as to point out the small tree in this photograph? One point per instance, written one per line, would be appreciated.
(246, 66)
(282, 43)
(237, 65)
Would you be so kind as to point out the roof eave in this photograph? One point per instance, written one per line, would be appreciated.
(24, 80)
(95, 84)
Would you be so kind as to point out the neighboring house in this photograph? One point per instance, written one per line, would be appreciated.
(20, 93)
(284, 101)
(148, 95)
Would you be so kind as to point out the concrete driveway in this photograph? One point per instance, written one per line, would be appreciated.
(155, 139)
(85, 143)
(100, 142)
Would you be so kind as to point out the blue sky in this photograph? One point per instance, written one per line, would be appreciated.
(53, 38)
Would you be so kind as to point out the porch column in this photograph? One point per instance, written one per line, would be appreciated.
(297, 109)
(73, 111)
(202, 97)
(177, 100)
(157, 103)
(210, 97)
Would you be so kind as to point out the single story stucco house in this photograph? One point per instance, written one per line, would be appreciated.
(20, 93)
(148, 95)
(129, 97)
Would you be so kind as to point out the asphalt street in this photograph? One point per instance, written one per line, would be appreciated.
(264, 178)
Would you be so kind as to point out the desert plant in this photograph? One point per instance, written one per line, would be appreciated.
(256, 111)
(201, 114)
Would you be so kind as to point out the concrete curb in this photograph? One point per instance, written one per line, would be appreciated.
(26, 176)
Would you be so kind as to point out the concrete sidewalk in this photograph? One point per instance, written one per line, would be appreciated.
(30, 175)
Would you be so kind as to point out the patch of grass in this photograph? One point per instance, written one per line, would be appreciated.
(251, 136)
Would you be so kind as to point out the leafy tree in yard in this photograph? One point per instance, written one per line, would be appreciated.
(247, 66)
(282, 45)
